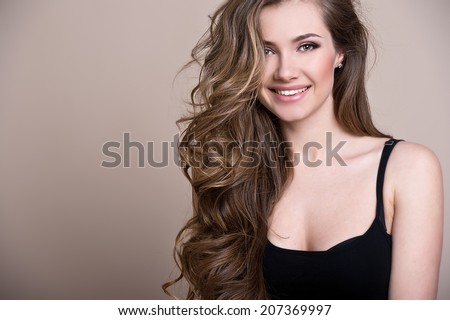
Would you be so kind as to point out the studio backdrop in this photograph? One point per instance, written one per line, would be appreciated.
(91, 197)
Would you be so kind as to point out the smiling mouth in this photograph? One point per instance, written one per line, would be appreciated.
(290, 92)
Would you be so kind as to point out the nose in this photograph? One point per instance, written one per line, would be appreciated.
(287, 68)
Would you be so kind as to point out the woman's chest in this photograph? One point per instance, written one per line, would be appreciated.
(316, 211)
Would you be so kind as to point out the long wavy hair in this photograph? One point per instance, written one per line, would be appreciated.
(233, 152)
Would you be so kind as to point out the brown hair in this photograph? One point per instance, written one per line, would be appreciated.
(219, 251)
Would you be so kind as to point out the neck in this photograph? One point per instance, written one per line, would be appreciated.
(313, 134)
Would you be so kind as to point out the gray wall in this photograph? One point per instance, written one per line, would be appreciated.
(76, 74)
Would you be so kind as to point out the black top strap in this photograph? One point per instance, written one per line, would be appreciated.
(388, 147)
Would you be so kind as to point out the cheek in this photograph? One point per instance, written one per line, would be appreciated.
(323, 70)
(267, 72)
(266, 77)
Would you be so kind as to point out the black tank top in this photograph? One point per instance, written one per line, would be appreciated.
(357, 268)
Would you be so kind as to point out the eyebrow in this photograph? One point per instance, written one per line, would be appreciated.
(297, 39)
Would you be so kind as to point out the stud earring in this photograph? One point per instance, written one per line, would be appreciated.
(340, 65)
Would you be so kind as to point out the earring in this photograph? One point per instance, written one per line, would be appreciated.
(340, 65)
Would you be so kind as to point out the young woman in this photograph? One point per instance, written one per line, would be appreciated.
(296, 194)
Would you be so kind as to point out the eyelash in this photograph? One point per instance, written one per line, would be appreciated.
(268, 51)
(311, 46)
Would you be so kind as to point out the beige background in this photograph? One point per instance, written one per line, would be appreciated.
(75, 74)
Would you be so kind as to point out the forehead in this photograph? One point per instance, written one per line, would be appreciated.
(291, 18)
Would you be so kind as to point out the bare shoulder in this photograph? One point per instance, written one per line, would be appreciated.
(412, 160)
(414, 175)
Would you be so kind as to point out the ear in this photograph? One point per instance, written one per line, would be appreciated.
(340, 56)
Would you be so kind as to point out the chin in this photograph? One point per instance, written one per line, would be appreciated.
(290, 117)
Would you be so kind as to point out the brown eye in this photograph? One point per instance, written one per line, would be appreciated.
(307, 47)
(268, 51)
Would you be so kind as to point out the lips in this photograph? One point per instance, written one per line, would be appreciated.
(289, 92)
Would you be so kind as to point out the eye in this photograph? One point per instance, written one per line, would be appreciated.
(307, 47)
(268, 51)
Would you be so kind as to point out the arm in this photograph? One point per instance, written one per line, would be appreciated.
(417, 229)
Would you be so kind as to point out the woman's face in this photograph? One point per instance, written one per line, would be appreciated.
(300, 60)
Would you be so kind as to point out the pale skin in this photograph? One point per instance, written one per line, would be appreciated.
(325, 205)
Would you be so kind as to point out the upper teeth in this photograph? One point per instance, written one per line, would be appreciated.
(291, 92)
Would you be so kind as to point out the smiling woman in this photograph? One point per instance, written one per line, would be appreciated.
(299, 69)
(291, 74)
